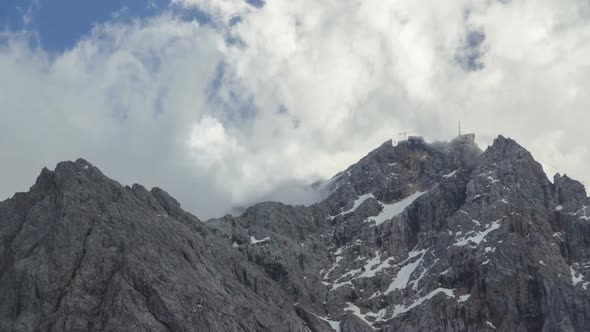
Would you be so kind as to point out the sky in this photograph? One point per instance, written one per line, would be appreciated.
(224, 103)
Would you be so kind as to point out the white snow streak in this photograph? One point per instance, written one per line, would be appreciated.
(422, 274)
(391, 210)
(583, 211)
(335, 325)
(372, 266)
(400, 309)
(477, 237)
(403, 275)
(334, 266)
(378, 265)
(356, 204)
(453, 173)
(464, 298)
(492, 180)
(357, 312)
(253, 240)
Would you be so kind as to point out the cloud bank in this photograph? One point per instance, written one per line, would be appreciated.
(267, 97)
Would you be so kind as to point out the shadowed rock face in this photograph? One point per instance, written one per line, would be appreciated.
(426, 237)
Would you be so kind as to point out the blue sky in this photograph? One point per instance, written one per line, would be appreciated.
(59, 24)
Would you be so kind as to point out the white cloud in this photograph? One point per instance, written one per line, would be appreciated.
(309, 89)
(115, 99)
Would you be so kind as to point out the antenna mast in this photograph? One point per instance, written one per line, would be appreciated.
(405, 134)
(459, 127)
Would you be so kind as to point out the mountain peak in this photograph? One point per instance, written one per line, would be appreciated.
(505, 146)
(391, 172)
(506, 155)
(416, 236)
(44, 180)
(63, 170)
(568, 189)
(78, 165)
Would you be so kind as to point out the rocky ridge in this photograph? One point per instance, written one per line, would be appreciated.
(413, 237)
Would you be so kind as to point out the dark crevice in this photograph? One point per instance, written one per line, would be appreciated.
(155, 315)
(103, 296)
(76, 269)
(150, 295)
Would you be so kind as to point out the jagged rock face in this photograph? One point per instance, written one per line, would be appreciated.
(437, 237)
(79, 252)
(413, 237)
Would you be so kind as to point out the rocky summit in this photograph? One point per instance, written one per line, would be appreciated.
(413, 237)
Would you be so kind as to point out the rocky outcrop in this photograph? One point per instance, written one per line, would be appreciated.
(413, 237)
(441, 237)
(80, 252)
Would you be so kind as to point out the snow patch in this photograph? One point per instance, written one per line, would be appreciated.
(403, 275)
(475, 197)
(492, 180)
(339, 251)
(369, 270)
(335, 325)
(464, 298)
(400, 309)
(375, 265)
(356, 204)
(450, 175)
(583, 211)
(357, 312)
(351, 273)
(378, 316)
(477, 237)
(576, 277)
(391, 210)
(253, 240)
(340, 284)
(334, 266)
(422, 274)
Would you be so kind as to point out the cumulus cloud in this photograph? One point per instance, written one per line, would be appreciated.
(115, 99)
(269, 98)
